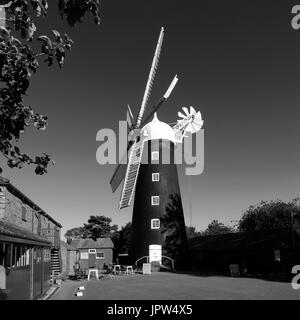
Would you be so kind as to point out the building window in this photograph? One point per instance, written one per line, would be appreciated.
(155, 176)
(155, 224)
(47, 255)
(84, 255)
(24, 218)
(155, 155)
(100, 255)
(155, 200)
(92, 250)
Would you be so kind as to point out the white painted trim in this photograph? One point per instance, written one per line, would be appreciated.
(155, 174)
(153, 203)
(100, 258)
(154, 155)
(153, 226)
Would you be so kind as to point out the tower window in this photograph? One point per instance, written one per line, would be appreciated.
(155, 176)
(155, 155)
(24, 218)
(100, 255)
(155, 224)
(155, 200)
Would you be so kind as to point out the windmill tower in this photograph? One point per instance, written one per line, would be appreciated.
(151, 179)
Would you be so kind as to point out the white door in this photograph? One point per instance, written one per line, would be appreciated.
(155, 253)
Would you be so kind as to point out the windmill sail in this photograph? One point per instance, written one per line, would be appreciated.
(161, 101)
(131, 174)
(129, 118)
(150, 78)
(120, 171)
(118, 176)
(190, 122)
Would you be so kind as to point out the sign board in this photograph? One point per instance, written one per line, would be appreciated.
(277, 255)
(146, 268)
(234, 270)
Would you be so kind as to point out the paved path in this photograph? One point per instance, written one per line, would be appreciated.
(169, 286)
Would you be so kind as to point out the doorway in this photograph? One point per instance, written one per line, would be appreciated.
(155, 253)
(92, 258)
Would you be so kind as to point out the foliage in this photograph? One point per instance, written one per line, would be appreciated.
(216, 227)
(77, 233)
(122, 239)
(191, 232)
(100, 226)
(19, 61)
(97, 227)
(268, 215)
(173, 228)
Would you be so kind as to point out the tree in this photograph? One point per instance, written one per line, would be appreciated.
(173, 229)
(19, 61)
(77, 233)
(122, 240)
(268, 215)
(191, 232)
(97, 227)
(100, 226)
(216, 227)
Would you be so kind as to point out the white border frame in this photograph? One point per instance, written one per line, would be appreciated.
(153, 175)
(152, 201)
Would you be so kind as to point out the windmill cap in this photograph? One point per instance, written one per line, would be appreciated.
(157, 129)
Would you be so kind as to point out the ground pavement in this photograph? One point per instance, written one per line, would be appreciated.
(172, 286)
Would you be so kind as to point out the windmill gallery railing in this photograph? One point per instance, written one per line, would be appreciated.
(163, 257)
(140, 259)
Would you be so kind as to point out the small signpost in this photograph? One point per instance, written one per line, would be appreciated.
(146, 268)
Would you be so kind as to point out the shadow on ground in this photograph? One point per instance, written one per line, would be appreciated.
(285, 278)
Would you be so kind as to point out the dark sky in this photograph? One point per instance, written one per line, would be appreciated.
(238, 63)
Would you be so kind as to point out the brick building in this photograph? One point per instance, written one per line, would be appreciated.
(29, 245)
(93, 253)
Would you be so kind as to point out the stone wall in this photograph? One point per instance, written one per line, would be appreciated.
(14, 210)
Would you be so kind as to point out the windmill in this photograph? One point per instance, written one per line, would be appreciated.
(153, 185)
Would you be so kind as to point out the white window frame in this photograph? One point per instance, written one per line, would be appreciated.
(100, 257)
(155, 176)
(155, 224)
(154, 202)
(84, 255)
(155, 155)
(92, 250)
